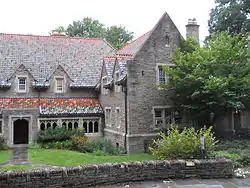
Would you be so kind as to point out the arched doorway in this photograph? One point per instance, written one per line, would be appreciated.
(21, 132)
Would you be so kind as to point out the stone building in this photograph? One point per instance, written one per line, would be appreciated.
(49, 81)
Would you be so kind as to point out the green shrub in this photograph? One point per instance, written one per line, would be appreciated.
(56, 134)
(66, 144)
(78, 142)
(3, 146)
(183, 144)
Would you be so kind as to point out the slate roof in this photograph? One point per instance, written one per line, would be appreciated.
(81, 58)
(55, 106)
(133, 47)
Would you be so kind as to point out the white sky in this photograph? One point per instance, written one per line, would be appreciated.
(38, 17)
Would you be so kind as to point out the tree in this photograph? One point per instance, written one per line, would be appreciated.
(211, 79)
(118, 36)
(230, 15)
(87, 27)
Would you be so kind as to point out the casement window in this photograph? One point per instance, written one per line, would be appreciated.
(1, 127)
(22, 84)
(117, 88)
(163, 117)
(104, 90)
(117, 117)
(59, 84)
(108, 117)
(161, 75)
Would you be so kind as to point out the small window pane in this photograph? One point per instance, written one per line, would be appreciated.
(75, 125)
(54, 125)
(162, 76)
(48, 125)
(59, 84)
(70, 126)
(158, 112)
(42, 126)
(22, 84)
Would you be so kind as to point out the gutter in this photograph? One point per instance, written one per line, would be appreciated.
(126, 116)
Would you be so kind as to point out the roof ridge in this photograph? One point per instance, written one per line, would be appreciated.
(47, 36)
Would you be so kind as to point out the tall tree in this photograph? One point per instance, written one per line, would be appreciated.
(211, 79)
(230, 15)
(118, 36)
(87, 27)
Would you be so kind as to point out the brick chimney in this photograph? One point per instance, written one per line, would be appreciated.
(192, 29)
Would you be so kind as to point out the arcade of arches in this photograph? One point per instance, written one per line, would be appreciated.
(90, 125)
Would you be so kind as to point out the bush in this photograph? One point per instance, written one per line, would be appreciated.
(57, 134)
(67, 144)
(99, 147)
(2, 143)
(183, 144)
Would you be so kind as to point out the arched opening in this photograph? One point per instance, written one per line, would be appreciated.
(75, 125)
(48, 125)
(21, 131)
(64, 125)
(70, 126)
(42, 126)
(54, 125)
(90, 127)
(85, 126)
(96, 128)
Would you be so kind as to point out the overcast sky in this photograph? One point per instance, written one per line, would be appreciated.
(38, 17)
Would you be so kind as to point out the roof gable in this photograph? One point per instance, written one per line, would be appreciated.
(81, 58)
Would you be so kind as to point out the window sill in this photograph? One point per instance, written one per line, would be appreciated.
(21, 91)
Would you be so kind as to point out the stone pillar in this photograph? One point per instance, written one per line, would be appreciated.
(192, 29)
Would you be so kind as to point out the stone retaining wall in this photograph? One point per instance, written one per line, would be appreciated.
(89, 175)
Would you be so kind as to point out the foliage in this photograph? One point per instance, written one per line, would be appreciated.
(2, 143)
(66, 144)
(87, 27)
(117, 36)
(98, 146)
(183, 145)
(211, 79)
(231, 16)
(78, 142)
(57, 134)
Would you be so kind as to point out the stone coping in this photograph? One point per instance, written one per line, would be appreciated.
(112, 173)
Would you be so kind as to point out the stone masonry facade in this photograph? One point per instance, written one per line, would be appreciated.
(110, 93)
(91, 175)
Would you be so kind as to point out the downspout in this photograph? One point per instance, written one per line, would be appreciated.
(126, 115)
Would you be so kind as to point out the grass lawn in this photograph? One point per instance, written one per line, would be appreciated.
(4, 155)
(72, 158)
(6, 168)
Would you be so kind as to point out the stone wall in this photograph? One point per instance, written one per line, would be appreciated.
(89, 175)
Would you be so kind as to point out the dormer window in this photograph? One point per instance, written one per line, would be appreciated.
(22, 84)
(59, 85)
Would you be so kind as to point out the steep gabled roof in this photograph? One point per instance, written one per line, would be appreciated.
(133, 47)
(81, 58)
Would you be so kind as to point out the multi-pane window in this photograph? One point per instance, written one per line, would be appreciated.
(1, 127)
(104, 90)
(117, 88)
(163, 117)
(162, 78)
(108, 117)
(59, 85)
(22, 84)
(117, 118)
